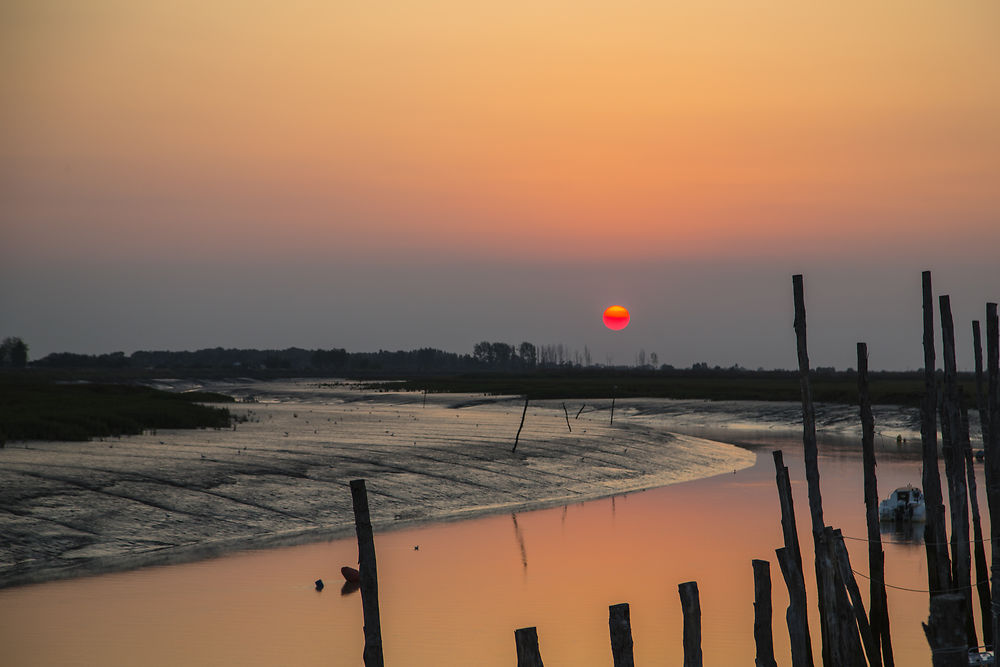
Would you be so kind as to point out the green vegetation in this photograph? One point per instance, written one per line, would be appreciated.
(837, 387)
(31, 409)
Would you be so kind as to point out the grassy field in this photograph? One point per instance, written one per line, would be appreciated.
(43, 410)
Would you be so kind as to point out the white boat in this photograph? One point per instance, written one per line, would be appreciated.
(904, 504)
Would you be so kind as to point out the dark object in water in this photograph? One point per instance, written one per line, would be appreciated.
(319, 584)
(350, 574)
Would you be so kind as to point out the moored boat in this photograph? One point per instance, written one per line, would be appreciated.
(904, 504)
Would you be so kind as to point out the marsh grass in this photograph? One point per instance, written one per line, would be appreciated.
(38, 410)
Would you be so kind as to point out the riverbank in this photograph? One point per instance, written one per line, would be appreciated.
(280, 476)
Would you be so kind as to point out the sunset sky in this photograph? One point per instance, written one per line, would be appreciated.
(399, 174)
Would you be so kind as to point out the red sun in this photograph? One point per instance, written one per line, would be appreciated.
(616, 317)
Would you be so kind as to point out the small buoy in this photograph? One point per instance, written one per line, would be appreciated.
(319, 584)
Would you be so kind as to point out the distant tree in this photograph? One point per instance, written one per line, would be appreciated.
(528, 354)
(502, 354)
(13, 352)
(483, 352)
(586, 356)
(654, 359)
(640, 359)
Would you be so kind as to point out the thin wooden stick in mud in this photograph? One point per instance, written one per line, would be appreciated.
(613, 390)
(824, 563)
(879, 612)
(955, 442)
(580, 411)
(518, 436)
(935, 537)
(526, 642)
(763, 635)
(691, 609)
(796, 617)
(566, 412)
(621, 635)
(369, 575)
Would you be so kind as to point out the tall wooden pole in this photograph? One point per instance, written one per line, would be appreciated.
(954, 457)
(979, 549)
(369, 575)
(879, 612)
(935, 537)
(984, 413)
(993, 454)
(945, 633)
(762, 634)
(824, 564)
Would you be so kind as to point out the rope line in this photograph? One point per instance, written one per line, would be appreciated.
(985, 540)
(915, 590)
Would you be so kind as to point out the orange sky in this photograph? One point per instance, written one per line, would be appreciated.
(183, 173)
(537, 128)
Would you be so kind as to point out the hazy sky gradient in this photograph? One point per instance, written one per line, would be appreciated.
(399, 174)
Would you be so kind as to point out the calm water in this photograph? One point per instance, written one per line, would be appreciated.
(458, 598)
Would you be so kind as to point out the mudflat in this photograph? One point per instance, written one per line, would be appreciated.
(281, 474)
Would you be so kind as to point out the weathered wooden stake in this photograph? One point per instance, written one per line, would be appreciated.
(992, 448)
(526, 642)
(954, 445)
(763, 636)
(935, 537)
(879, 612)
(369, 575)
(861, 624)
(824, 564)
(796, 617)
(621, 635)
(612, 422)
(566, 412)
(580, 411)
(945, 631)
(691, 608)
(518, 436)
(979, 549)
(984, 413)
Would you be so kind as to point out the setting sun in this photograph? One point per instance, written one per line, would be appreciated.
(616, 317)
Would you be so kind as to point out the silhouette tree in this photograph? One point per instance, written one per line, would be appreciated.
(13, 352)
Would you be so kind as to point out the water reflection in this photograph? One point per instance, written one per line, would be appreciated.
(458, 598)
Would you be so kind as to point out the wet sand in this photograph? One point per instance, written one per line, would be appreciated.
(281, 477)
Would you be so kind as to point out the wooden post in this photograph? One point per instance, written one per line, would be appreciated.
(691, 608)
(613, 390)
(566, 412)
(621, 635)
(979, 549)
(762, 634)
(796, 617)
(369, 575)
(992, 448)
(935, 537)
(860, 624)
(946, 633)
(518, 436)
(526, 642)
(823, 562)
(879, 612)
(955, 443)
(984, 413)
